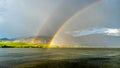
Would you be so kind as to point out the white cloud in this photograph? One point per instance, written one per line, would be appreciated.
(105, 31)
(113, 32)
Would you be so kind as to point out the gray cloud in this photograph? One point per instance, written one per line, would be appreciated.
(23, 18)
(105, 31)
(62, 14)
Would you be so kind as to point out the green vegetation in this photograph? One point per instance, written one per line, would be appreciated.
(12, 44)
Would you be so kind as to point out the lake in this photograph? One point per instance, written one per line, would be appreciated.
(59, 58)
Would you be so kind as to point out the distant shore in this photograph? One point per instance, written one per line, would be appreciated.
(12, 44)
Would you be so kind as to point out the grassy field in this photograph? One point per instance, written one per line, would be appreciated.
(11, 44)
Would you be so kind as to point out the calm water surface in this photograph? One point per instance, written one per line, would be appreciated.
(10, 57)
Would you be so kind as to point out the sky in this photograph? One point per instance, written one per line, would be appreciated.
(81, 20)
(22, 18)
(63, 12)
(97, 25)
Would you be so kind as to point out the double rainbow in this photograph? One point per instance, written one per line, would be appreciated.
(67, 20)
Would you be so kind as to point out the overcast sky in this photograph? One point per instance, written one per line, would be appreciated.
(101, 21)
(21, 18)
(97, 25)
